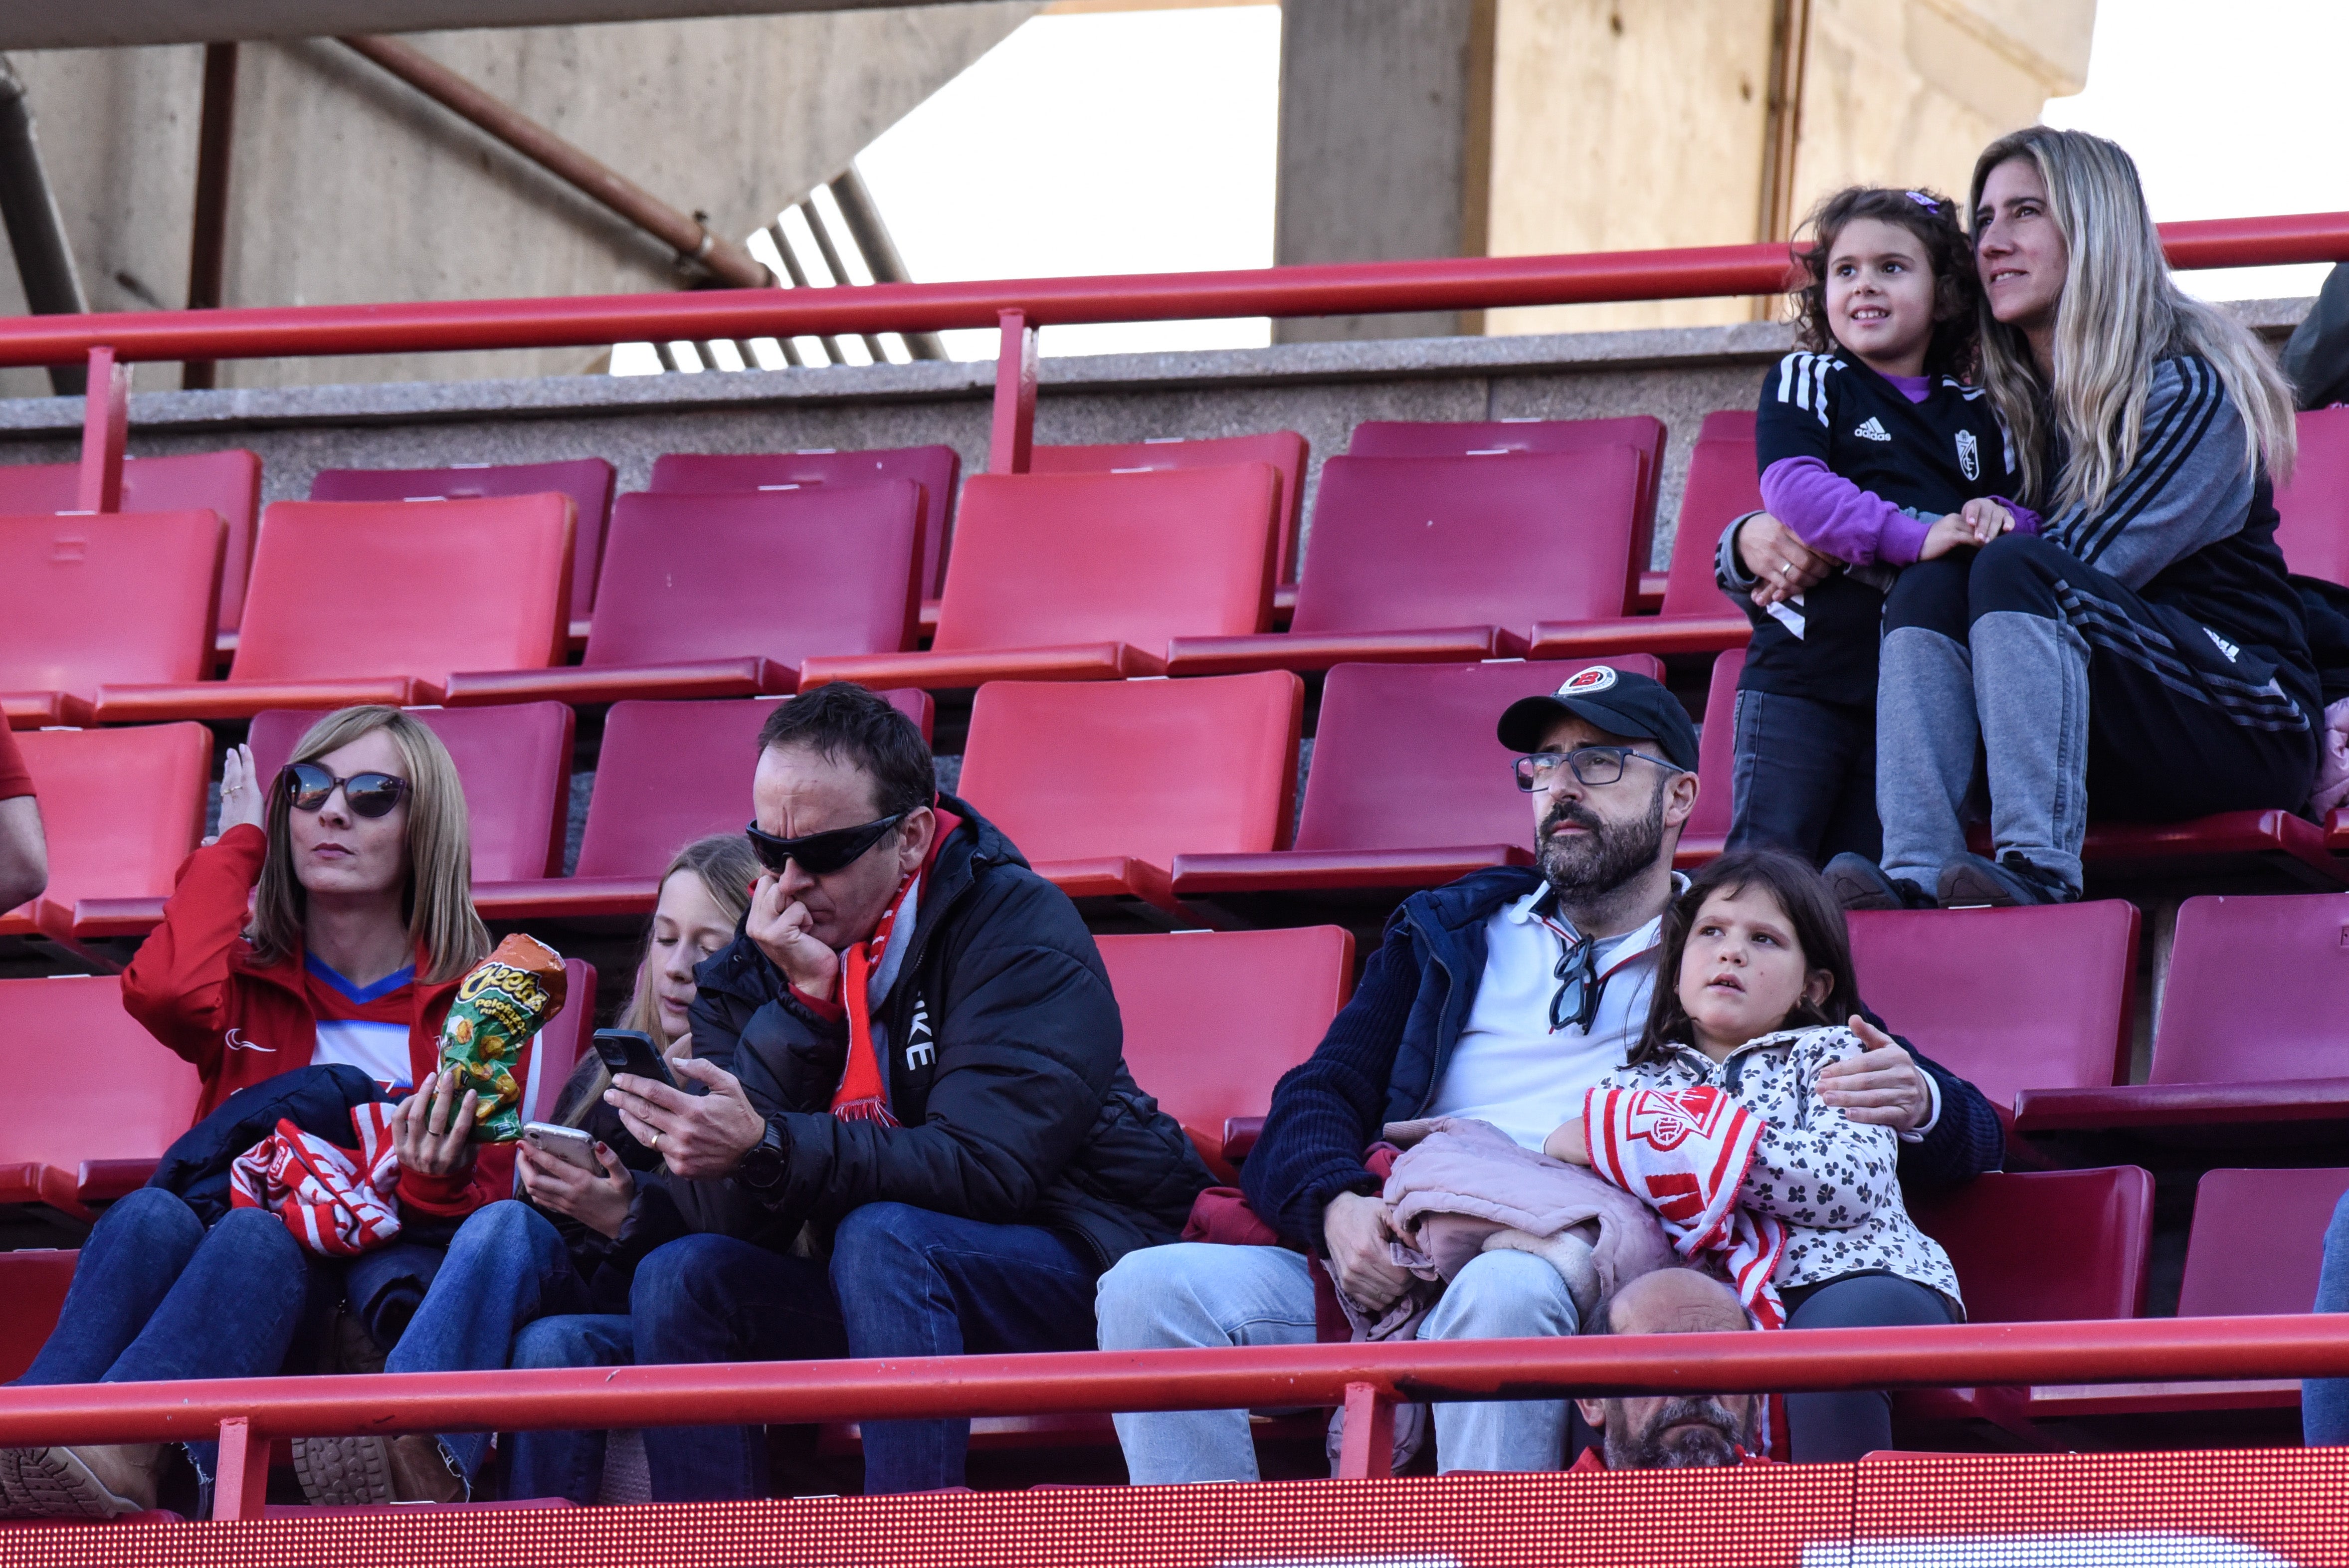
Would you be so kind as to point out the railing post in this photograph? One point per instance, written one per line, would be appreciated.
(105, 423)
(1367, 1449)
(241, 1482)
(1014, 396)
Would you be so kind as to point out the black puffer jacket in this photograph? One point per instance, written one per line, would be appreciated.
(1005, 1067)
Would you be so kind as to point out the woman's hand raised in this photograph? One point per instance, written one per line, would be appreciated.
(244, 797)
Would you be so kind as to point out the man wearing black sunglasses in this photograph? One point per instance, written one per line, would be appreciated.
(911, 1058)
(1501, 998)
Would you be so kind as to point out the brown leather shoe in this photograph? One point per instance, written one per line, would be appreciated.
(98, 1480)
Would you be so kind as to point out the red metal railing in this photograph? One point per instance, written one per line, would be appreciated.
(1015, 306)
(245, 1414)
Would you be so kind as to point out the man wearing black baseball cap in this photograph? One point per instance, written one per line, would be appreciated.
(1501, 998)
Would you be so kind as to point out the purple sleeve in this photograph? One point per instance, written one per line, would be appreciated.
(2025, 520)
(1836, 517)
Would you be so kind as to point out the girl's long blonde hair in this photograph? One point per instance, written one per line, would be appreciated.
(727, 869)
(2119, 313)
(438, 902)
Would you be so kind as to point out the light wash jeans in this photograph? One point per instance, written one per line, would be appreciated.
(2325, 1401)
(1201, 1293)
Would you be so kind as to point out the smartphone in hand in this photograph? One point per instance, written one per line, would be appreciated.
(632, 1051)
(568, 1144)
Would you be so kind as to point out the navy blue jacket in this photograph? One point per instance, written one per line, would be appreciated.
(1385, 1054)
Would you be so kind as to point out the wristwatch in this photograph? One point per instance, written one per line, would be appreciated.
(762, 1168)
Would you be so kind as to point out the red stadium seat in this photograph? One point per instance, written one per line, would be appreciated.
(89, 600)
(1707, 833)
(2008, 999)
(1644, 433)
(121, 809)
(1087, 577)
(1284, 449)
(1696, 617)
(725, 595)
(2312, 511)
(1101, 786)
(560, 1043)
(379, 601)
(32, 1283)
(1408, 788)
(514, 763)
(2248, 1030)
(94, 1100)
(1213, 1018)
(1436, 560)
(227, 482)
(932, 468)
(586, 480)
(668, 773)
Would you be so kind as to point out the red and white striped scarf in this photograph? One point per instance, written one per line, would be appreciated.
(1685, 1152)
(336, 1204)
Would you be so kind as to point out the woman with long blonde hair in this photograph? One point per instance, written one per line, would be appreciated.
(2144, 655)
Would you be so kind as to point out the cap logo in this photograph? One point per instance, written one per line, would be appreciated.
(1598, 678)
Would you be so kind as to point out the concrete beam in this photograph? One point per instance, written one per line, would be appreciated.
(46, 24)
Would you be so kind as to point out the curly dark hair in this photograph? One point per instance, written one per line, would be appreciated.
(1934, 219)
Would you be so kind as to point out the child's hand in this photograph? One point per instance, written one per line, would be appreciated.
(1949, 532)
(1568, 1143)
(1988, 519)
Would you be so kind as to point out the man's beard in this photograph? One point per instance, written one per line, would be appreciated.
(1685, 1434)
(1585, 867)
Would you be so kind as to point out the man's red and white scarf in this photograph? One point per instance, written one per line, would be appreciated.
(863, 1092)
(338, 1202)
(1685, 1152)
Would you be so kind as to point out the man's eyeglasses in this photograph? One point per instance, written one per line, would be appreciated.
(1578, 988)
(308, 787)
(1593, 765)
(819, 854)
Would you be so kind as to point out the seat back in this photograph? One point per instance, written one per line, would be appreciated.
(33, 1284)
(1716, 750)
(2047, 1247)
(1722, 484)
(560, 1043)
(2254, 990)
(586, 480)
(350, 589)
(1148, 768)
(1213, 1018)
(1051, 560)
(784, 574)
(932, 467)
(1284, 449)
(514, 762)
(120, 808)
(85, 1081)
(130, 599)
(1643, 433)
(2313, 510)
(671, 772)
(1406, 757)
(227, 482)
(1728, 425)
(2008, 999)
(2258, 1240)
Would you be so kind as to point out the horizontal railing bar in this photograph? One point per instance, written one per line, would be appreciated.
(1354, 288)
(1962, 1354)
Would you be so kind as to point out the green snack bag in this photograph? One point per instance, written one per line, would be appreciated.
(508, 997)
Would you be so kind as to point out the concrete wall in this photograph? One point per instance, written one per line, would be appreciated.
(346, 185)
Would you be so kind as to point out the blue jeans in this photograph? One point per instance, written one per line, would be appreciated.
(2325, 1401)
(509, 1296)
(1805, 778)
(903, 1282)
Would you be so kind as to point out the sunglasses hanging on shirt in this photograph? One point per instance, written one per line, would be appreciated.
(1579, 985)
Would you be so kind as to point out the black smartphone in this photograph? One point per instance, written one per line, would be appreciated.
(632, 1051)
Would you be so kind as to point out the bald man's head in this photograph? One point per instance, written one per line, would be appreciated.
(1675, 1430)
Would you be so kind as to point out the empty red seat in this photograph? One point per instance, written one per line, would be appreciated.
(32, 1283)
(2312, 511)
(1643, 433)
(93, 1098)
(1284, 449)
(2250, 1025)
(121, 809)
(1088, 577)
(1101, 785)
(89, 600)
(725, 595)
(1436, 560)
(2008, 999)
(1707, 830)
(1213, 1018)
(932, 467)
(1409, 788)
(379, 601)
(668, 773)
(586, 480)
(1697, 617)
(227, 482)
